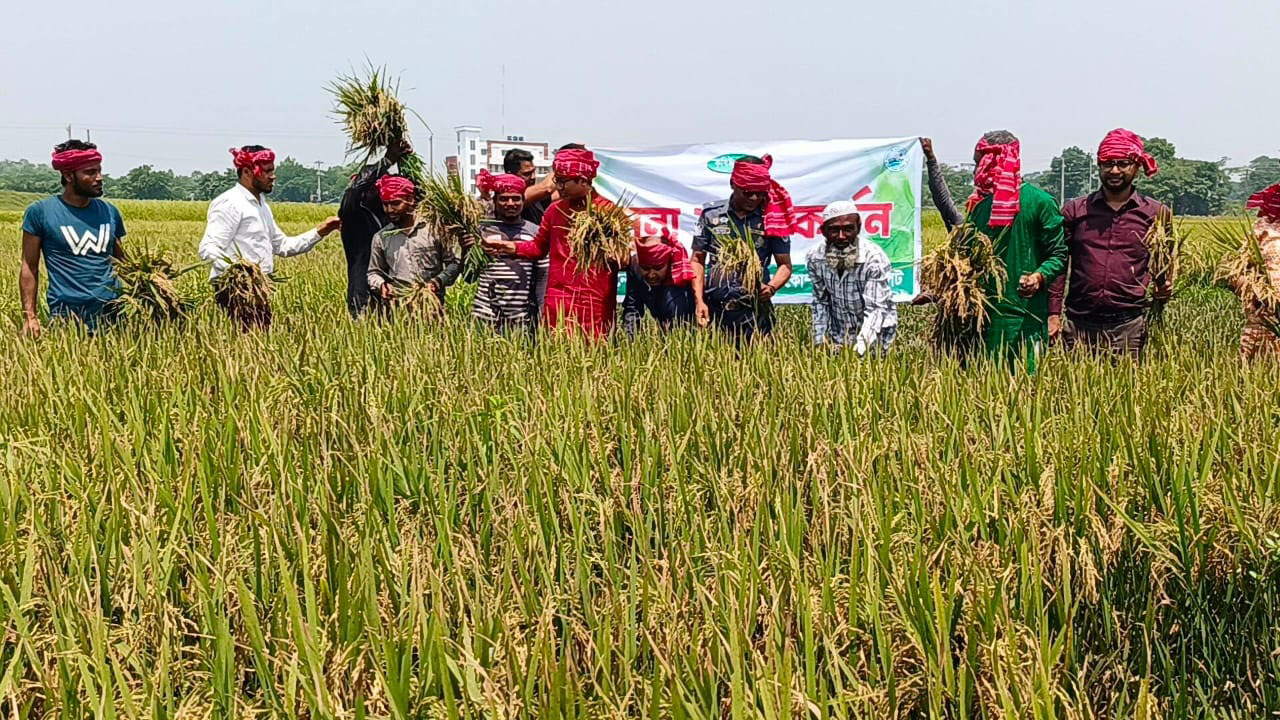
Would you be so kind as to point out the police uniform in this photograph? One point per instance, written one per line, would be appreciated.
(730, 303)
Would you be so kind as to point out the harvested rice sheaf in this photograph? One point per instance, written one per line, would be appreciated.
(454, 216)
(1243, 270)
(965, 275)
(420, 300)
(148, 287)
(1165, 242)
(601, 233)
(374, 118)
(247, 292)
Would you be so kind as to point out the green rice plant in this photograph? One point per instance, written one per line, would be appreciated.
(1243, 271)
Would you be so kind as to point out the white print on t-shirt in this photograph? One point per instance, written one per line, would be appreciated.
(88, 243)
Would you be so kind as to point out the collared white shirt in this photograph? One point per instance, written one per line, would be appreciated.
(241, 226)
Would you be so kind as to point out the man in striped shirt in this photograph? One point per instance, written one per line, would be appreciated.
(852, 302)
(509, 290)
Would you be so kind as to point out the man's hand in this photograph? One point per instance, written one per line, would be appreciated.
(1030, 284)
(926, 144)
(328, 226)
(434, 286)
(1055, 327)
(31, 328)
(1161, 291)
(399, 150)
(702, 313)
(497, 248)
(766, 291)
(923, 299)
(385, 291)
(861, 348)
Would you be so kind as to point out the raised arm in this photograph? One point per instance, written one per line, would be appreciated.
(938, 189)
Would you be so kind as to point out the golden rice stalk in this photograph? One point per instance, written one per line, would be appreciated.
(1244, 271)
(247, 290)
(1164, 242)
(148, 287)
(373, 117)
(601, 233)
(454, 216)
(964, 274)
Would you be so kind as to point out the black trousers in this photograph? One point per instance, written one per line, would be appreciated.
(357, 273)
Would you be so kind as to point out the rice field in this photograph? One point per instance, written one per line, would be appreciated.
(394, 520)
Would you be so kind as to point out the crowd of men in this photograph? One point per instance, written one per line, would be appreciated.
(1079, 274)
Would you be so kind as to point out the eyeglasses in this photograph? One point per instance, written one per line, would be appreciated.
(1117, 165)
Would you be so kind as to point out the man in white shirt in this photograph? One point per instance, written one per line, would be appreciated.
(240, 224)
(852, 300)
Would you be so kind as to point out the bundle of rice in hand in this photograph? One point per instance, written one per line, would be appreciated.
(246, 291)
(1164, 243)
(601, 234)
(374, 118)
(964, 275)
(454, 216)
(419, 300)
(148, 287)
(737, 257)
(1244, 271)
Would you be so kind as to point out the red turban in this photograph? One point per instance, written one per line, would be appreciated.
(668, 250)
(1266, 202)
(394, 187)
(245, 159)
(1120, 144)
(487, 182)
(999, 173)
(779, 221)
(72, 160)
(573, 163)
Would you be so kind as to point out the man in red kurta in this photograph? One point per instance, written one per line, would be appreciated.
(582, 298)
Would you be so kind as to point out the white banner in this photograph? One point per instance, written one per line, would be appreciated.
(668, 187)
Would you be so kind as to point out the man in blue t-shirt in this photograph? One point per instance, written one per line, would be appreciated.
(78, 234)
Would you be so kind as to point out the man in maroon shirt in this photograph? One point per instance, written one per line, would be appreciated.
(1107, 298)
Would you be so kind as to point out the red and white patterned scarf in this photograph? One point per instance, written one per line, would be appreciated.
(999, 173)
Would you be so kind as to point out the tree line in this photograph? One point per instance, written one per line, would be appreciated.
(295, 182)
(1190, 187)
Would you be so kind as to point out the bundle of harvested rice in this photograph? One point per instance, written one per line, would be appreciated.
(454, 216)
(246, 293)
(419, 300)
(602, 233)
(148, 287)
(374, 118)
(1164, 242)
(1244, 271)
(737, 258)
(964, 275)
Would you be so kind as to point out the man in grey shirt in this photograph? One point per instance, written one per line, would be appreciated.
(405, 252)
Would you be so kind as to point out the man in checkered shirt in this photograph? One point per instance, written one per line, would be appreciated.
(852, 302)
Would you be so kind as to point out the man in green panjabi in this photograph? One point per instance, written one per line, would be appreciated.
(1025, 224)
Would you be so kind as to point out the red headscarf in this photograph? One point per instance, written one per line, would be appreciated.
(669, 250)
(999, 173)
(573, 163)
(1267, 203)
(243, 159)
(72, 160)
(395, 187)
(779, 221)
(1120, 144)
(487, 182)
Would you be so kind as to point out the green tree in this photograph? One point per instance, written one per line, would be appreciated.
(23, 176)
(1071, 170)
(207, 186)
(959, 182)
(146, 183)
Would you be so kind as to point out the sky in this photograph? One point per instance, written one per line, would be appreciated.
(174, 84)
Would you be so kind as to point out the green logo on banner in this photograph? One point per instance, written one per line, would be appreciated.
(724, 163)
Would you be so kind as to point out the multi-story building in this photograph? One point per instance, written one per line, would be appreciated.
(475, 153)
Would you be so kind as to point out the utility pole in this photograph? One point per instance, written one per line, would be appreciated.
(68, 131)
(318, 197)
(1062, 178)
(88, 135)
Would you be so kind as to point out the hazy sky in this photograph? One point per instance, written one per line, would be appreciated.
(176, 83)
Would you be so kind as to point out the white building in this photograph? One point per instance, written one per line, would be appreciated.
(475, 153)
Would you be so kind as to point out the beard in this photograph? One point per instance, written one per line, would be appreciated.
(842, 257)
(88, 191)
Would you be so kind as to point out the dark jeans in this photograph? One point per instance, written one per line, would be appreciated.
(1126, 337)
(357, 274)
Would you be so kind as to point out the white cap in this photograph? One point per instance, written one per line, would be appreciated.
(839, 208)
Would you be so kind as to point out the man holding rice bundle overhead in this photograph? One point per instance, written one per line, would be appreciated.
(659, 280)
(579, 296)
(509, 290)
(405, 254)
(78, 234)
(242, 230)
(361, 215)
(1112, 281)
(1026, 227)
(737, 295)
